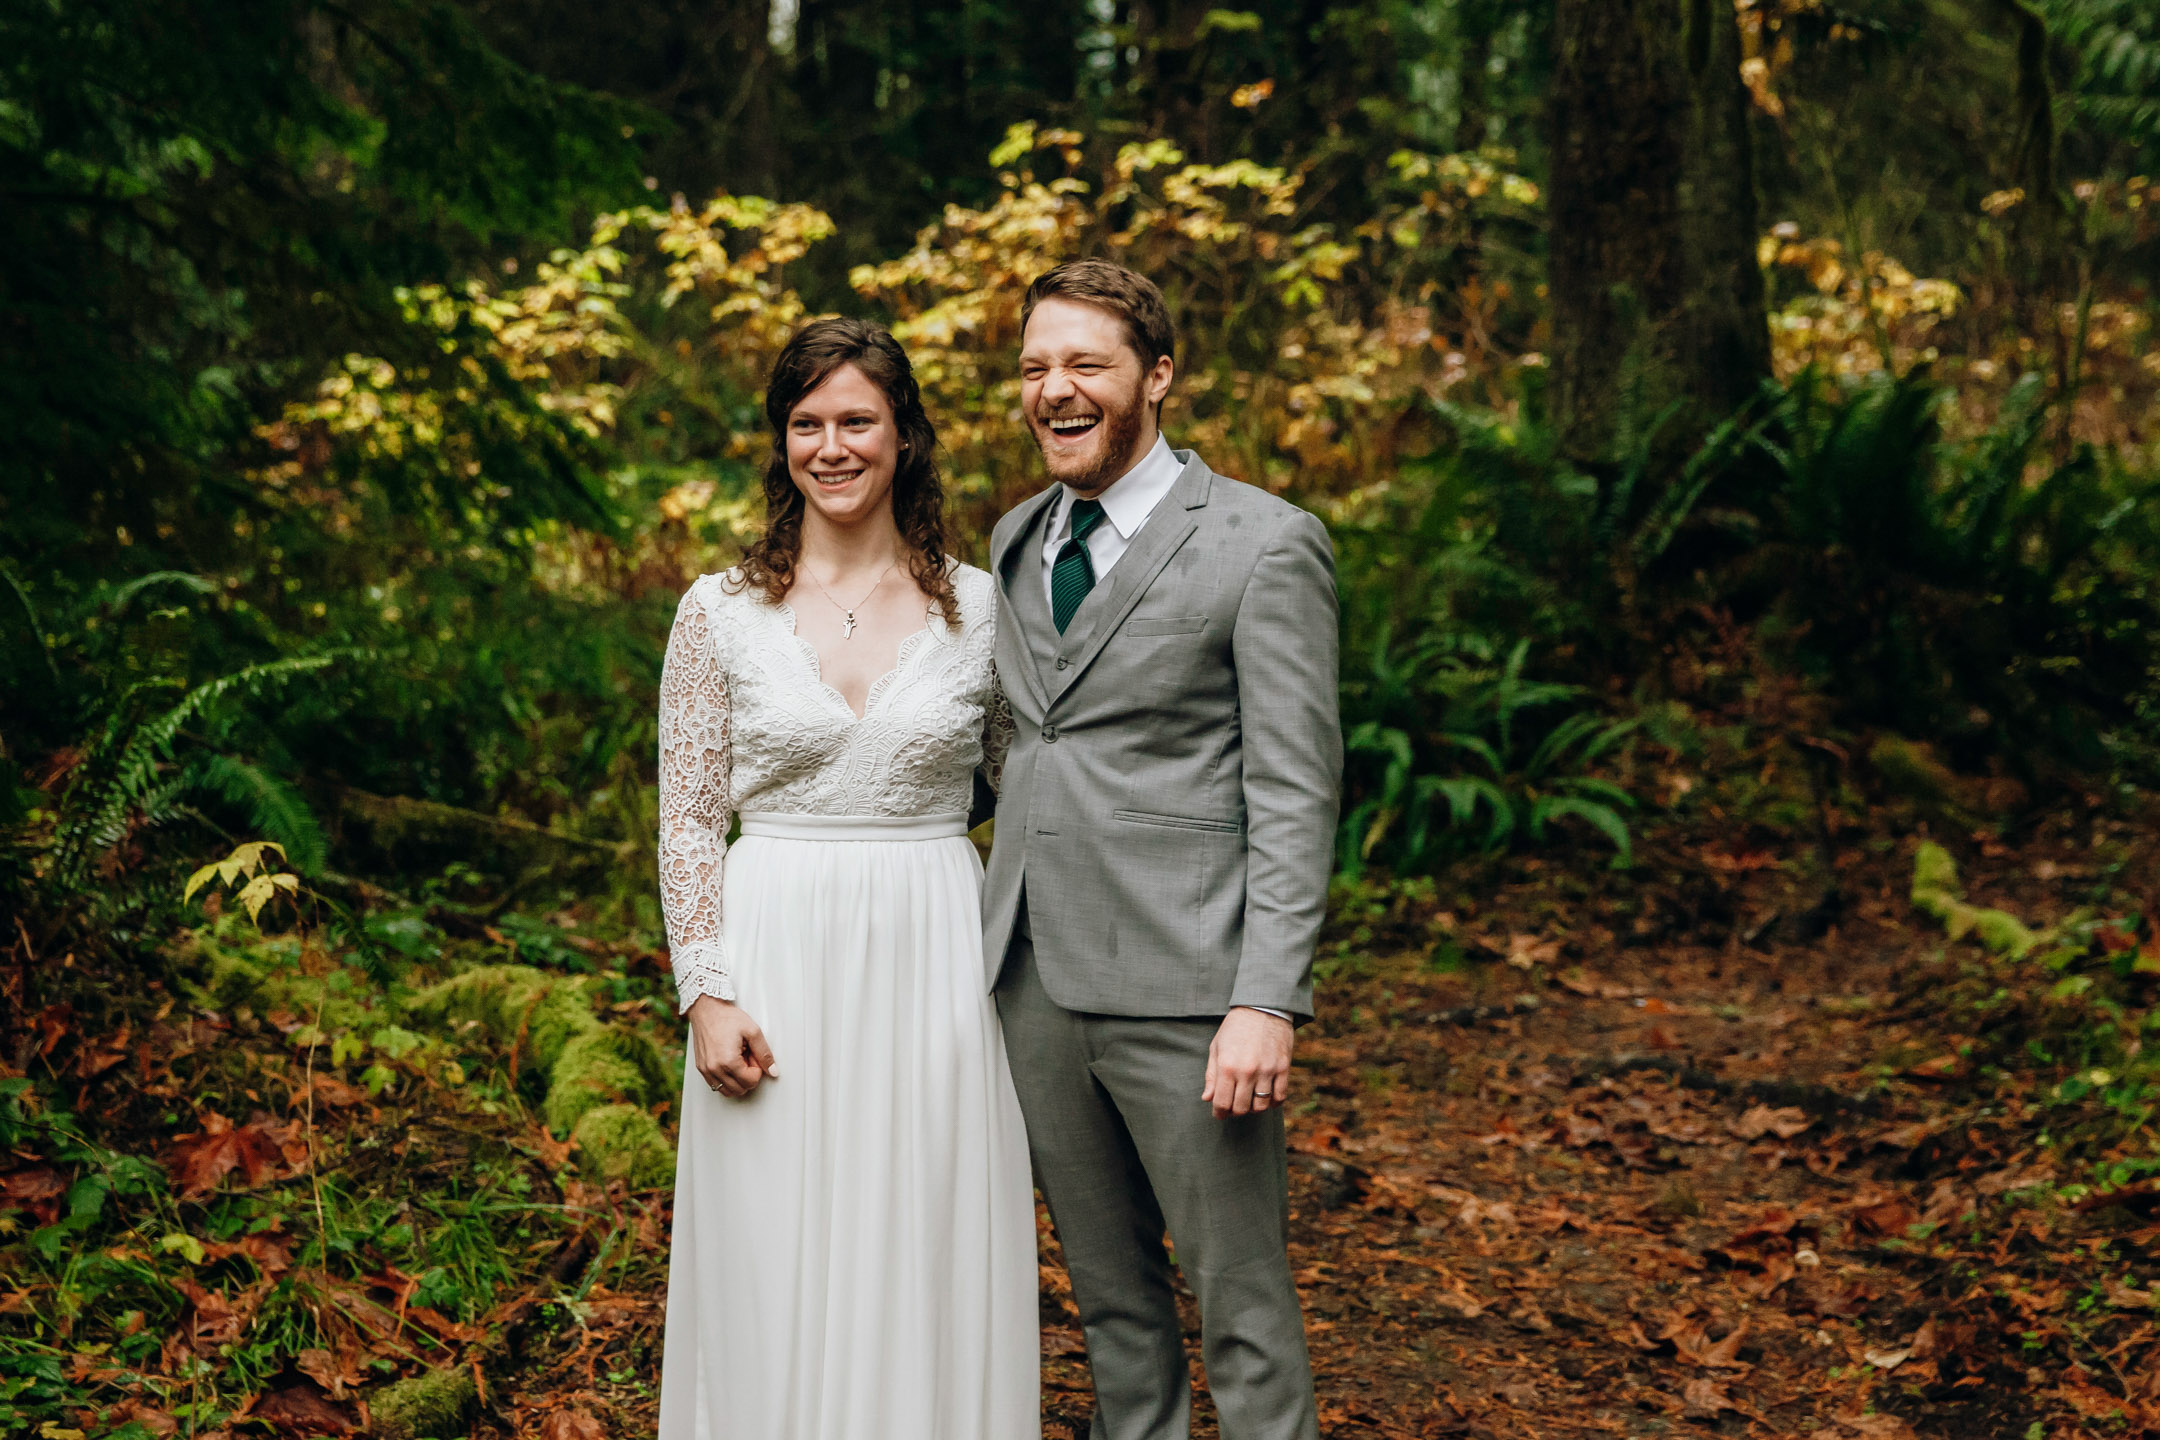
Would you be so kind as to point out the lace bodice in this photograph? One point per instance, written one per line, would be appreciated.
(747, 722)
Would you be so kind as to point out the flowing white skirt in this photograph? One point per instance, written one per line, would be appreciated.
(854, 1250)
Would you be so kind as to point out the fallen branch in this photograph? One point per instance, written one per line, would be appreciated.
(1479, 1014)
(1815, 1099)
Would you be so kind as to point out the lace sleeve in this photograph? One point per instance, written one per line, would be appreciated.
(997, 735)
(695, 774)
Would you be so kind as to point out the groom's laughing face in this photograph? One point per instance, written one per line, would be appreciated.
(1088, 399)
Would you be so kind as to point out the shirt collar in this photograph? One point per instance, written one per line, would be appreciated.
(1133, 496)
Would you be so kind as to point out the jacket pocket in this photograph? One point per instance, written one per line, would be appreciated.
(1176, 822)
(1170, 625)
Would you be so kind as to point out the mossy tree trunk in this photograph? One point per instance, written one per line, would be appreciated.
(1656, 294)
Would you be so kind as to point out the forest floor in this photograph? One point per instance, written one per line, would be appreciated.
(1547, 1184)
(1571, 1154)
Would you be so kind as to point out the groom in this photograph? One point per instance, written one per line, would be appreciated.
(1166, 638)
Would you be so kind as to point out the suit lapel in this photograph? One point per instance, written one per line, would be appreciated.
(1010, 564)
(1109, 603)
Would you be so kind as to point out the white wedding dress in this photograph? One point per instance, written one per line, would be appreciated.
(854, 1251)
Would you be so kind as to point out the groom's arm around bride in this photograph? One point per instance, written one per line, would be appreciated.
(1167, 643)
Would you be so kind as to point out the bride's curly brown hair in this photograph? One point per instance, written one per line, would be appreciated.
(808, 360)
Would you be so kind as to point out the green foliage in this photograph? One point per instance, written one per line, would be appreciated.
(121, 778)
(204, 192)
(1976, 592)
(2116, 44)
(1470, 767)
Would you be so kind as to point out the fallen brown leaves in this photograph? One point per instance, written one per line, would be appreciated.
(260, 1150)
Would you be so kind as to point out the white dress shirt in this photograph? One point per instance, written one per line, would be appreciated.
(1131, 498)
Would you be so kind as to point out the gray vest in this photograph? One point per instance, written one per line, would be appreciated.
(1031, 607)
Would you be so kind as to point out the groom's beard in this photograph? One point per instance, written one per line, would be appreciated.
(1115, 437)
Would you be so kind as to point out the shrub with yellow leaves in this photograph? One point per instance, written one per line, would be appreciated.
(1300, 348)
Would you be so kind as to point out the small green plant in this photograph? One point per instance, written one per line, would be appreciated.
(1477, 778)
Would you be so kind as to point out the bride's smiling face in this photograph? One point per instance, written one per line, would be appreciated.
(843, 447)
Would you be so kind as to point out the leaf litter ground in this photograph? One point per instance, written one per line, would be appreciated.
(1546, 1182)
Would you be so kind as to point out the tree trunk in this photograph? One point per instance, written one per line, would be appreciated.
(1656, 295)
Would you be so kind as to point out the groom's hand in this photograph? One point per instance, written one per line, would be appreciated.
(1248, 1066)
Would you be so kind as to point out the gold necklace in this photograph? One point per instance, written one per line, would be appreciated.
(847, 612)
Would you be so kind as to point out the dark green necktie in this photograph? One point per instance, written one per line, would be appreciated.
(1074, 573)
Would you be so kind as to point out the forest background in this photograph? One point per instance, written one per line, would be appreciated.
(1736, 419)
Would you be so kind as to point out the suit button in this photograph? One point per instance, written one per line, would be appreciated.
(1049, 734)
(1061, 662)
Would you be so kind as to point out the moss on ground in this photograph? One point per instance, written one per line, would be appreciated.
(602, 1079)
(623, 1142)
(591, 1066)
(434, 1403)
(1936, 892)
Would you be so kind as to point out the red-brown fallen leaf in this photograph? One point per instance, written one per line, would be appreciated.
(37, 1189)
(2116, 935)
(1761, 1120)
(1525, 951)
(339, 1372)
(271, 1255)
(1475, 1210)
(440, 1325)
(214, 1318)
(1778, 1229)
(52, 1024)
(2014, 1177)
(572, 1425)
(1741, 863)
(1691, 1340)
(97, 1056)
(1704, 1397)
(1882, 1214)
(1828, 1302)
(553, 1153)
(1904, 1137)
(137, 1412)
(1662, 1038)
(1725, 1354)
(1867, 1427)
(202, 1158)
(2125, 1297)
(335, 1093)
(2087, 1398)
(1942, 1067)
(304, 1410)
(1573, 979)
(1777, 1269)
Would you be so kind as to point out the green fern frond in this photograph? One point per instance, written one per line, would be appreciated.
(121, 774)
(274, 807)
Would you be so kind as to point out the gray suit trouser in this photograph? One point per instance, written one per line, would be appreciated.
(1122, 1145)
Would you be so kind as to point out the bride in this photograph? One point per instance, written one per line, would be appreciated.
(854, 1251)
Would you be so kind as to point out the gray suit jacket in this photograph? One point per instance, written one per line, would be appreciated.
(1169, 803)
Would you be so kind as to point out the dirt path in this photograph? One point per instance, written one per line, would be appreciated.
(1667, 1199)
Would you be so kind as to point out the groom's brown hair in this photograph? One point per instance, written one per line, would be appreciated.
(1127, 294)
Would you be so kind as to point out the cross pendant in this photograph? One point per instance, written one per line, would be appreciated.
(847, 625)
